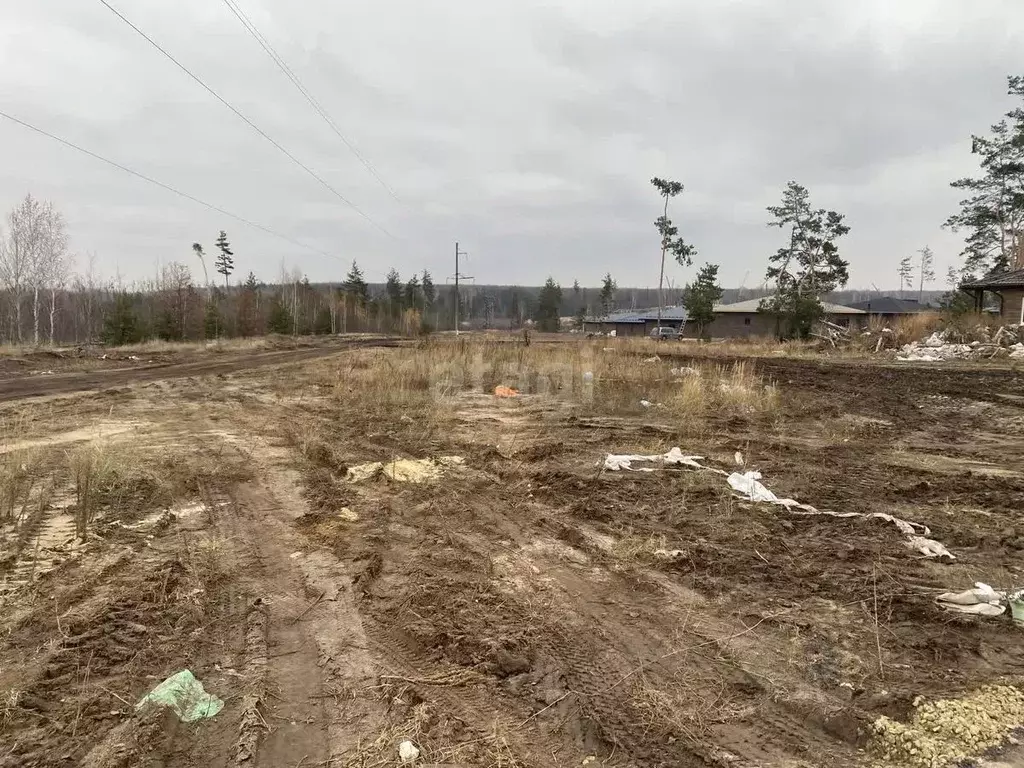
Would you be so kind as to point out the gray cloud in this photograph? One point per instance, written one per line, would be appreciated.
(526, 130)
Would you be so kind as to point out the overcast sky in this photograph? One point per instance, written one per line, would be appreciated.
(526, 130)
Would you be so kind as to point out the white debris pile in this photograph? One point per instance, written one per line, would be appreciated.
(949, 345)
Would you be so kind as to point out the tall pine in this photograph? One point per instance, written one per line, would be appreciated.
(225, 262)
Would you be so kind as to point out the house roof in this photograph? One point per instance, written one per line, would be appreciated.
(890, 305)
(1014, 279)
(752, 305)
(645, 315)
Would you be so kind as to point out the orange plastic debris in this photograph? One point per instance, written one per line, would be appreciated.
(503, 391)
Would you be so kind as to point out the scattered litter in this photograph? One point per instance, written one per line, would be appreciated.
(669, 554)
(348, 515)
(1016, 601)
(738, 458)
(185, 695)
(684, 371)
(646, 403)
(748, 484)
(295, 555)
(616, 461)
(588, 377)
(654, 359)
(1017, 350)
(502, 391)
(407, 752)
(404, 470)
(980, 601)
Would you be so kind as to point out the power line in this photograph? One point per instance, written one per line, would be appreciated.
(313, 102)
(248, 122)
(168, 187)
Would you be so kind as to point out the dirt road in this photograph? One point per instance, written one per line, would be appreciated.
(85, 381)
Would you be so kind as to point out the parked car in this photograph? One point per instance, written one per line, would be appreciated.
(665, 333)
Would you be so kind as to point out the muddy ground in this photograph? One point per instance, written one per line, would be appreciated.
(518, 609)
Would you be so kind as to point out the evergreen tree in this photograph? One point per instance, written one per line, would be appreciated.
(279, 319)
(393, 291)
(808, 266)
(212, 323)
(549, 305)
(906, 273)
(247, 307)
(355, 286)
(671, 242)
(225, 262)
(429, 292)
(701, 297)
(608, 289)
(926, 268)
(121, 326)
(993, 212)
(412, 297)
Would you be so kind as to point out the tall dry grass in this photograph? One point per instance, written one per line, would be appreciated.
(427, 381)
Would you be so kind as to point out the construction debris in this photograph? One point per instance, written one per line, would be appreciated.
(980, 601)
(946, 732)
(404, 470)
(408, 752)
(675, 457)
(980, 344)
(749, 487)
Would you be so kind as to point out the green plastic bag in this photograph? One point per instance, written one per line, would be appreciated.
(185, 695)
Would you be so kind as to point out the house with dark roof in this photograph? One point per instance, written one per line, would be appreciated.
(1008, 287)
(637, 322)
(889, 308)
(743, 319)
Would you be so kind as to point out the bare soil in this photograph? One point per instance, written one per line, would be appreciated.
(53, 372)
(514, 612)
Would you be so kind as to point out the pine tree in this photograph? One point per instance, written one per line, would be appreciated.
(549, 305)
(608, 289)
(670, 240)
(225, 262)
(280, 319)
(809, 266)
(355, 286)
(906, 273)
(212, 323)
(926, 268)
(701, 297)
(412, 297)
(393, 292)
(121, 326)
(429, 292)
(993, 212)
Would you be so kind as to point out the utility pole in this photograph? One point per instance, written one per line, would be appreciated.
(457, 276)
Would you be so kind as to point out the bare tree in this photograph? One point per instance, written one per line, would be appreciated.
(19, 257)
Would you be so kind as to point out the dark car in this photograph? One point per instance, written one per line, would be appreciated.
(665, 333)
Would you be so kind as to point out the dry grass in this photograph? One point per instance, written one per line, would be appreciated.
(426, 382)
